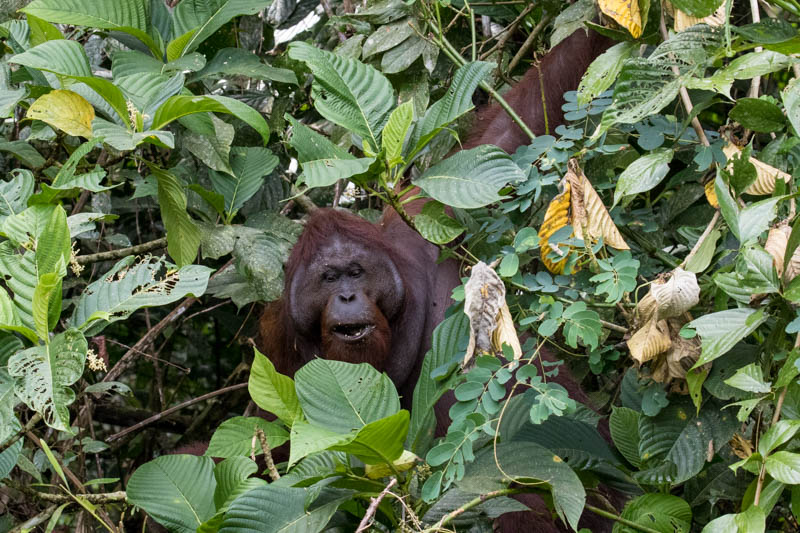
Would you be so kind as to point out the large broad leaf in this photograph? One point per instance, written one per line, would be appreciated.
(456, 102)
(722, 330)
(348, 92)
(9, 96)
(8, 400)
(133, 284)
(791, 101)
(183, 234)
(470, 178)
(67, 58)
(273, 391)
(176, 490)
(129, 16)
(250, 166)
(197, 20)
(53, 245)
(146, 91)
(14, 194)
(182, 105)
(47, 304)
(603, 71)
(276, 509)
(642, 89)
(239, 62)
(64, 110)
(624, 426)
(752, 520)
(435, 225)
(124, 140)
(643, 174)
(343, 396)
(45, 373)
(527, 462)
(234, 437)
(233, 480)
(380, 441)
(20, 272)
(660, 512)
(449, 338)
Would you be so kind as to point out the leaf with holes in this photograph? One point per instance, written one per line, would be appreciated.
(131, 285)
(44, 374)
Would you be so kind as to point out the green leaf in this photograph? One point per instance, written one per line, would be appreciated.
(767, 31)
(234, 437)
(347, 92)
(643, 174)
(310, 145)
(64, 57)
(47, 304)
(434, 224)
(380, 441)
(785, 467)
(14, 194)
(603, 71)
(470, 178)
(752, 520)
(661, 512)
(233, 480)
(279, 510)
(702, 258)
(624, 426)
(132, 285)
(239, 62)
(749, 378)
(195, 21)
(342, 396)
(307, 439)
(447, 341)
(250, 166)
(579, 322)
(53, 246)
(125, 140)
(778, 434)
(791, 101)
(403, 55)
(20, 272)
(526, 461)
(758, 115)
(129, 16)
(698, 8)
(45, 373)
(456, 102)
(183, 234)
(273, 392)
(176, 490)
(720, 331)
(182, 105)
(395, 131)
(756, 218)
(325, 172)
(387, 37)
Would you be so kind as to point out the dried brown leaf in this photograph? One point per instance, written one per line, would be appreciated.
(777, 239)
(485, 295)
(766, 174)
(675, 294)
(588, 211)
(506, 333)
(649, 341)
(555, 218)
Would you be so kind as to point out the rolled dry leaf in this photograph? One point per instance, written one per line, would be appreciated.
(484, 296)
(676, 294)
(766, 175)
(588, 211)
(777, 239)
(793, 268)
(506, 333)
(681, 356)
(649, 341)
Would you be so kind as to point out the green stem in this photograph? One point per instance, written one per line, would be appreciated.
(617, 518)
(472, 30)
(456, 58)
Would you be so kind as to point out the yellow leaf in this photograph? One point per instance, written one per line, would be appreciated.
(765, 174)
(555, 218)
(625, 12)
(588, 211)
(681, 356)
(711, 194)
(683, 21)
(777, 239)
(405, 462)
(506, 333)
(649, 341)
(65, 110)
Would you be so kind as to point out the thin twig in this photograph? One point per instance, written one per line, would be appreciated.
(702, 238)
(122, 252)
(30, 524)
(613, 327)
(167, 412)
(526, 46)
(101, 498)
(755, 83)
(262, 439)
(508, 31)
(373, 507)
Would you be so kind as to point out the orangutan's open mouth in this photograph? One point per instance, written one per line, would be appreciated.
(352, 332)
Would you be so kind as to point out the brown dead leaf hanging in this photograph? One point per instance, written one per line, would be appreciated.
(588, 211)
(777, 239)
(484, 297)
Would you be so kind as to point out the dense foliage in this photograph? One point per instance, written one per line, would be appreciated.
(651, 242)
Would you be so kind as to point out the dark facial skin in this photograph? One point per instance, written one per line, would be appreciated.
(345, 287)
